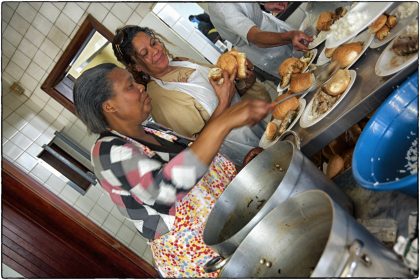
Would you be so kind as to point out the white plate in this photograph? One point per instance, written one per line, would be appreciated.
(370, 11)
(308, 120)
(280, 89)
(401, 24)
(264, 143)
(318, 40)
(366, 37)
(389, 63)
(322, 59)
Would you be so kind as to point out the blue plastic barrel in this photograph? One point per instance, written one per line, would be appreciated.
(379, 160)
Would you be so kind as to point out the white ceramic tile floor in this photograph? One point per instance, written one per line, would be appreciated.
(73, 11)
(98, 214)
(41, 172)
(105, 202)
(112, 224)
(12, 35)
(19, 23)
(49, 48)
(65, 24)
(14, 71)
(84, 204)
(139, 244)
(26, 11)
(42, 23)
(125, 234)
(50, 11)
(97, 10)
(34, 149)
(27, 161)
(27, 48)
(122, 11)
(31, 131)
(10, 150)
(43, 60)
(69, 194)
(21, 140)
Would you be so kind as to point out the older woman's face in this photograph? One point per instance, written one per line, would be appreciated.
(130, 100)
(150, 54)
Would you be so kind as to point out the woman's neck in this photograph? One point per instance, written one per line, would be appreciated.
(164, 72)
(136, 132)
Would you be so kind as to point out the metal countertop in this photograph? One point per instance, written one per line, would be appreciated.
(366, 95)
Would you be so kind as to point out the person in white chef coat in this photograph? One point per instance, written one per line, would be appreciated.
(266, 40)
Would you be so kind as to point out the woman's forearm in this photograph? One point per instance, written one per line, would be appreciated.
(208, 143)
(265, 39)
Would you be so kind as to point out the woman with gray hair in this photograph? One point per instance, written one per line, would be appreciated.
(162, 182)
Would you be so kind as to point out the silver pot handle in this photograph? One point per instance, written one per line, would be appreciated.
(295, 137)
(215, 264)
(356, 256)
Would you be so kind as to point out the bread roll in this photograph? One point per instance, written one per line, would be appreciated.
(270, 131)
(391, 21)
(338, 83)
(301, 82)
(347, 53)
(325, 20)
(215, 74)
(287, 67)
(227, 62)
(382, 33)
(281, 110)
(241, 60)
(378, 23)
(335, 165)
(329, 52)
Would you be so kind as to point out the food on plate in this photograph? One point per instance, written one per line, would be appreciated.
(338, 83)
(348, 25)
(340, 12)
(406, 9)
(347, 53)
(383, 25)
(307, 57)
(408, 42)
(382, 33)
(378, 23)
(216, 74)
(280, 111)
(288, 67)
(271, 131)
(406, 45)
(329, 52)
(301, 82)
(232, 60)
(322, 103)
(325, 20)
(391, 21)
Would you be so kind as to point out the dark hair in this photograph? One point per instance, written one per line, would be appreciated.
(124, 51)
(90, 91)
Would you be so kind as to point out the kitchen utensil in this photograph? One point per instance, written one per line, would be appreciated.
(379, 157)
(310, 235)
(275, 174)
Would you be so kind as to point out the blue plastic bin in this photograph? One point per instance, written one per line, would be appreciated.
(380, 153)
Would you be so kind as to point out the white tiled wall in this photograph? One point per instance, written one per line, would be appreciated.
(34, 36)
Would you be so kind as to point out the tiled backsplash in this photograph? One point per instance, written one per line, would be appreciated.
(34, 36)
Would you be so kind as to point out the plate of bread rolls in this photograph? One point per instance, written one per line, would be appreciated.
(400, 52)
(285, 115)
(328, 96)
(348, 53)
(388, 25)
(293, 65)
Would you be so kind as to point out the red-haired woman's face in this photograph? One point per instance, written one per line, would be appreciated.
(150, 55)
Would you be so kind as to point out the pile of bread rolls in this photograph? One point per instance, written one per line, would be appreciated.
(383, 25)
(345, 54)
(283, 115)
(229, 61)
(290, 72)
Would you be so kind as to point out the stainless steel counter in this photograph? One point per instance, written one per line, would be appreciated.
(367, 93)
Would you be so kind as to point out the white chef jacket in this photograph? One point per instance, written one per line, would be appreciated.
(233, 22)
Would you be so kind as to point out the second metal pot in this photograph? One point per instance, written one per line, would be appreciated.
(274, 175)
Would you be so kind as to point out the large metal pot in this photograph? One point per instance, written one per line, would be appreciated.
(274, 175)
(310, 235)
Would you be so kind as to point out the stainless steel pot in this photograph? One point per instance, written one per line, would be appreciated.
(274, 175)
(310, 235)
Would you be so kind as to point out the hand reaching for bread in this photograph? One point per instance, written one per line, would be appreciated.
(300, 40)
(223, 85)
